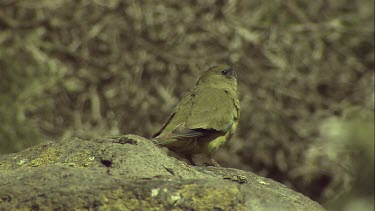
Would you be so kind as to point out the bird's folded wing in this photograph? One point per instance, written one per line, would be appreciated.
(178, 117)
(200, 112)
(212, 109)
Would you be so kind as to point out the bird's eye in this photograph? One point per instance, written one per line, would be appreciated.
(224, 72)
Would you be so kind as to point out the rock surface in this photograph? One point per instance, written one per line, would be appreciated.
(130, 173)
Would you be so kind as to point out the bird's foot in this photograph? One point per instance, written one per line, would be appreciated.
(214, 163)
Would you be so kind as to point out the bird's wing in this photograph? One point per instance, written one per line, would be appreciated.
(178, 117)
(198, 113)
(212, 109)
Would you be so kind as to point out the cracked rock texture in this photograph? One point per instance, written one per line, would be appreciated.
(130, 173)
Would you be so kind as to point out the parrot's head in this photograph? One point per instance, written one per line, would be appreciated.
(221, 77)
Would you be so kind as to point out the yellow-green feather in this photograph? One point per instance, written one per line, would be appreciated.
(205, 118)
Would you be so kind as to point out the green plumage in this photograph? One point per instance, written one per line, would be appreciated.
(206, 117)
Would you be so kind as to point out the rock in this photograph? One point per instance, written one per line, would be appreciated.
(130, 173)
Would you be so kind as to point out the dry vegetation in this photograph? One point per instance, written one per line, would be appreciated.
(98, 68)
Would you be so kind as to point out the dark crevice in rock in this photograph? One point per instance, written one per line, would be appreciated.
(170, 170)
(106, 163)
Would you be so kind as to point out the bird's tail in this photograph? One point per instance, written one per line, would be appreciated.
(163, 141)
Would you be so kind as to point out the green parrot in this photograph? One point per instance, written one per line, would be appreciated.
(205, 118)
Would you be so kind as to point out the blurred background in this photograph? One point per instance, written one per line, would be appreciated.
(93, 68)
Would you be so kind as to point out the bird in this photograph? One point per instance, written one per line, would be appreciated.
(205, 118)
